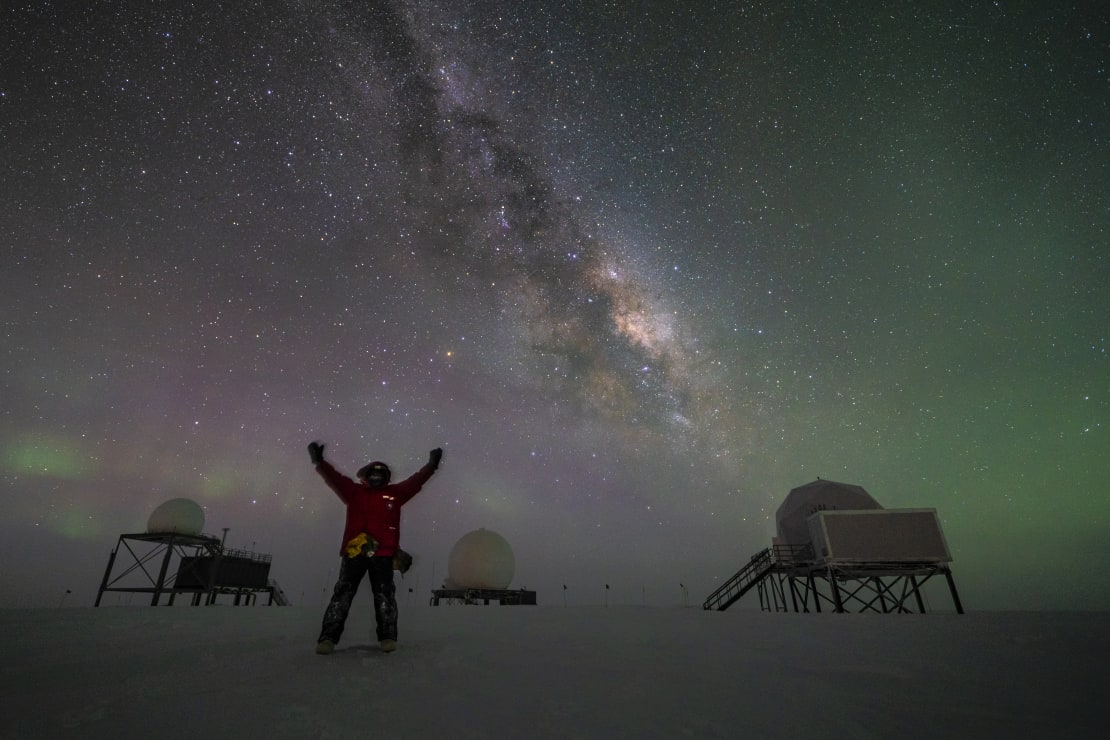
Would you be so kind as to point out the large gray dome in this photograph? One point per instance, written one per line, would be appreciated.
(820, 495)
(180, 515)
(481, 559)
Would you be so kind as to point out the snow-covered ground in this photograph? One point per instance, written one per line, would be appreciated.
(550, 671)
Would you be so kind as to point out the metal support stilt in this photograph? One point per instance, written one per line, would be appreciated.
(917, 595)
(836, 591)
(952, 588)
(107, 572)
(161, 583)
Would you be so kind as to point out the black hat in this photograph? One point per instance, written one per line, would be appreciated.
(375, 467)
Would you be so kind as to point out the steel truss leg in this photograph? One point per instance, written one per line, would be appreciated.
(162, 574)
(952, 588)
(107, 573)
(917, 594)
(836, 592)
(882, 596)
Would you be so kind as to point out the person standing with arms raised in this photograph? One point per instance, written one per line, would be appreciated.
(371, 542)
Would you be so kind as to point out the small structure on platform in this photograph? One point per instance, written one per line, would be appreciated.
(479, 570)
(838, 547)
(205, 569)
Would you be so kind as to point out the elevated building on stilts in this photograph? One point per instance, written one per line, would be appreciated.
(838, 550)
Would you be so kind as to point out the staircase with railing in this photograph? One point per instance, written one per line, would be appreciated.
(277, 594)
(743, 581)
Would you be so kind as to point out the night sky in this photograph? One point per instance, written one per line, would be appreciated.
(639, 268)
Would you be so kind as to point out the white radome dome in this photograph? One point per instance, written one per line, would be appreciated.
(178, 515)
(481, 559)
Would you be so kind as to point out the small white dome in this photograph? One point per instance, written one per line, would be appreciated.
(481, 559)
(179, 515)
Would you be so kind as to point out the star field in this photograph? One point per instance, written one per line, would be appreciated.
(638, 269)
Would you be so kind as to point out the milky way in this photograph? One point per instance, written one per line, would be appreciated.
(639, 269)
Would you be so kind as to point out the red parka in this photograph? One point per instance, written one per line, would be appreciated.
(376, 511)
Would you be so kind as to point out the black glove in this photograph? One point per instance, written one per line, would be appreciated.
(316, 452)
(402, 561)
(434, 457)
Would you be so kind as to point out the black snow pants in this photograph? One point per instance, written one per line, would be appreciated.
(351, 572)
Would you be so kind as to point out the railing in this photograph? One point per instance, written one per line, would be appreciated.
(791, 554)
(278, 594)
(258, 557)
(741, 583)
(760, 564)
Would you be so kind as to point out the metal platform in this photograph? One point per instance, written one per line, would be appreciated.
(790, 578)
(205, 570)
(505, 597)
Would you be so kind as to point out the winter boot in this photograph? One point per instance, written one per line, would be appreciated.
(325, 647)
(388, 646)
